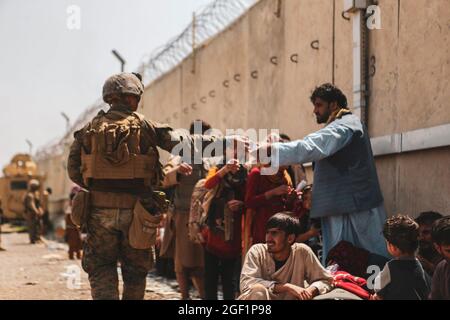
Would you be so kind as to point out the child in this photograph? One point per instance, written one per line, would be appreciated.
(440, 233)
(73, 234)
(403, 278)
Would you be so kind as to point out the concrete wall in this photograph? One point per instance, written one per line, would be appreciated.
(409, 90)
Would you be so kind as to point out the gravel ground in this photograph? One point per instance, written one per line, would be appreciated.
(44, 272)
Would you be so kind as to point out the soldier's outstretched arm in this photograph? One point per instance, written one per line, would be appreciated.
(168, 138)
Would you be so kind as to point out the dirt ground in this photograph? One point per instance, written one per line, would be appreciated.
(44, 272)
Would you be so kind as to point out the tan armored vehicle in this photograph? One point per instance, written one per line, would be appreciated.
(14, 185)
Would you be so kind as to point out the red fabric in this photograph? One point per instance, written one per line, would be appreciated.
(346, 281)
(353, 288)
(257, 185)
(214, 241)
(216, 244)
(349, 258)
(345, 276)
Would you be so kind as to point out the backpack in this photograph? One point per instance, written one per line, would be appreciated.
(111, 149)
(200, 202)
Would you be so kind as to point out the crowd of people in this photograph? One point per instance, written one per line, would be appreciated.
(233, 228)
(223, 225)
(253, 232)
(283, 249)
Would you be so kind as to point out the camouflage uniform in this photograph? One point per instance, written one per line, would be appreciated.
(109, 221)
(107, 243)
(33, 212)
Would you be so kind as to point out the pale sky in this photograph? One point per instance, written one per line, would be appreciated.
(46, 69)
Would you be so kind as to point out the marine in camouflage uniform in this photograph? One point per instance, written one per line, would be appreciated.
(33, 211)
(114, 193)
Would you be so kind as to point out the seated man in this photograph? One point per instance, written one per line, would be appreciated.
(427, 254)
(278, 269)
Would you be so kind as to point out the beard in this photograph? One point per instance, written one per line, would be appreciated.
(427, 250)
(323, 118)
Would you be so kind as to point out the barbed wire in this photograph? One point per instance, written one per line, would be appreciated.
(209, 22)
(213, 19)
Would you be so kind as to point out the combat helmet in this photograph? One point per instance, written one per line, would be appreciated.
(34, 183)
(122, 83)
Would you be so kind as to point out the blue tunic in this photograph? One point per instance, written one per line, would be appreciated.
(346, 193)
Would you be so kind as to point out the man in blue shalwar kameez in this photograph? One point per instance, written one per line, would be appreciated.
(346, 193)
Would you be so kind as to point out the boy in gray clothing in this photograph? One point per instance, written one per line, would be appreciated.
(403, 278)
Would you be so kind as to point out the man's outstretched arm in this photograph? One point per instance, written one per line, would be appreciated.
(313, 147)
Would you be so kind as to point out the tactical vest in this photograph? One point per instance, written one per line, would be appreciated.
(112, 150)
(35, 196)
(347, 181)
